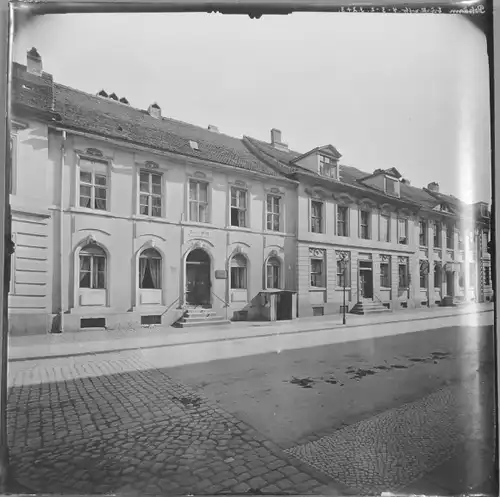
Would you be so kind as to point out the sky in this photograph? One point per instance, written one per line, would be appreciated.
(398, 90)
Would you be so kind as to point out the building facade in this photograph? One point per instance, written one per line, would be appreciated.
(122, 216)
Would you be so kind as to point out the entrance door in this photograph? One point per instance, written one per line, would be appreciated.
(366, 279)
(198, 284)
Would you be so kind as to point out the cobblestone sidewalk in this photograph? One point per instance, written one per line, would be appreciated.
(140, 431)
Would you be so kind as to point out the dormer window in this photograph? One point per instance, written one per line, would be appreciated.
(484, 211)
(391, 186)
(327, 167)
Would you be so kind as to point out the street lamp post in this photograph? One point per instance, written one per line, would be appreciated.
(343, 262)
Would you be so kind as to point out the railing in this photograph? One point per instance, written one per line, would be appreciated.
(226, 303)
(378, 298)
(170, 306)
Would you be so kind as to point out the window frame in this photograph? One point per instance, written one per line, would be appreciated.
(150, 195)
(397, 190)
(437, 234)
(93, 276)
(326, 162)
(437, 275)
(278, 267)
(403, 221)
(406, 276)
(423, 276)
(383, 264)
(197, 201)
(388, 236)
(317, 220)
(273, 214)
(345, 222)
(450, 237)
(320, 275)
(84, 167)
(423, 233)
(238, 208)
(366, 225)
(238, 267)
(160, 271)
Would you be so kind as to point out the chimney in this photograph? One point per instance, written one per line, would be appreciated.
(213, 128)
(276, 140)
(154, 110)
(34, 62)
(113, 96)
(123, 100)
(433, 187)
(103, 94)
(405, 181)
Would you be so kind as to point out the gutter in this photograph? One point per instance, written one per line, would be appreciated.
(61, 237)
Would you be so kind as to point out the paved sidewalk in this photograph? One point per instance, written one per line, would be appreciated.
(92, 342)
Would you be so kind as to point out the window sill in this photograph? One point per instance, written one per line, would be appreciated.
(385, 288)
(317, 289)
(142, 217)
(238, 228)
(424, 247)
(92, 212)
(271, 232)
(198, 224)
(341, 288)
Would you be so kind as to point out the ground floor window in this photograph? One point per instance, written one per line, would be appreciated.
(437, 276)
(424, 273)
(403, 273)
(150, 269)
(92, 267)
(273, 273)
(343, 269)
(461, 276)
(317, 267)
(385, 272)
(239, 272)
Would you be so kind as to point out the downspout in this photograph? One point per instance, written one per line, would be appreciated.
(61, 237)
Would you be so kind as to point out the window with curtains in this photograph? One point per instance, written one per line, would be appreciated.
(424, 274)
(273, 207)
(317, 273)
(385, 228)
(92, 267)
(239, 272)
(273, 273)
(150, 195)
(150, 269)
(403, 275)
(316, 216)
(238, 207)
(198, 201)
(94, 187)
(342, 221)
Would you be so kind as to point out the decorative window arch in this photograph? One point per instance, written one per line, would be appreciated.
(92, 272)
(150, 269)
(273, 272)
(239, 272)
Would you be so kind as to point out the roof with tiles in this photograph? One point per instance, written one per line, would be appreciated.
(352, 176)
(109, 118)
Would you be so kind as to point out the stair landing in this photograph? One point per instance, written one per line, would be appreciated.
(199, 316)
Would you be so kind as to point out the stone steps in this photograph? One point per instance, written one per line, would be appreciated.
(369, 307)
(198, 316)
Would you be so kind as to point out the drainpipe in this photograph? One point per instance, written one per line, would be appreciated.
(61, 237)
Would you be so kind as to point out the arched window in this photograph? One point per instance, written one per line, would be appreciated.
(93, 267)
(239, 272)
(273, 273)
(150, 269)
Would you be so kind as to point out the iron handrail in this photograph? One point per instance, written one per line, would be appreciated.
(226, 303)
(170, 306)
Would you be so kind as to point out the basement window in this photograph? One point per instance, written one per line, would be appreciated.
(92, 323)
(152, 319)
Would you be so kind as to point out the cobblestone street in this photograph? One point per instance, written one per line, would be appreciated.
(360, 417)
(140, 432)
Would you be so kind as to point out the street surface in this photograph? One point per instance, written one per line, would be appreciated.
(407, 413)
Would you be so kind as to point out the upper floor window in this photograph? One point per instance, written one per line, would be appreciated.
(238, 207)
(150, 194)
(436, 231)
(92, 267)
(273, 212)
(391, 187)
(403, 231)
(342, 221)
(316, 216)
(198, 201)
(423, 233)
(327, 167)
(449, 236)
(150, 269)
(94, 188)
(385, 228)
(364, 225)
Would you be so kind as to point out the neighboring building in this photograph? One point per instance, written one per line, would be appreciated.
(122, 216)
(404, 247)
(155, 214)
